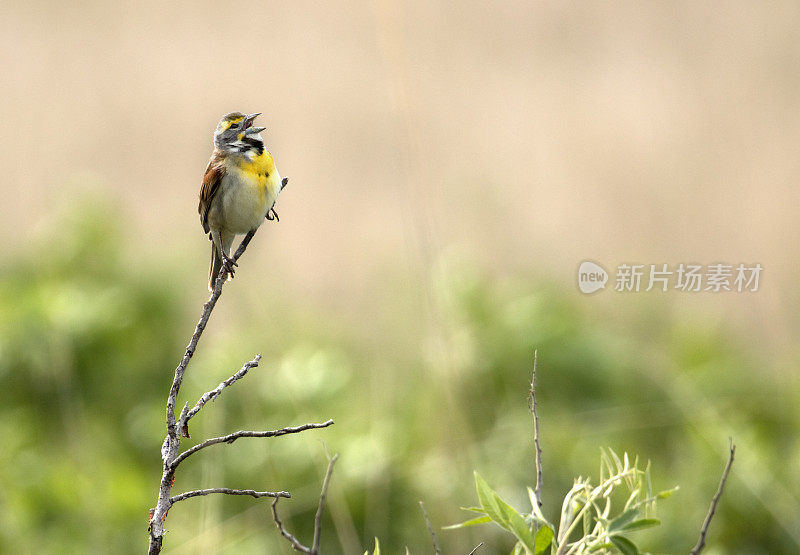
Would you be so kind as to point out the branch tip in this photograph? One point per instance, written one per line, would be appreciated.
(533, 407)
(436, 548)
(228, 491)
(296, 544)
(701, 542)
(321, 507)
(230, 438)
(212, 395)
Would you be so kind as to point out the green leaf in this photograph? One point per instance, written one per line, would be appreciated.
(488, 499)
(641, 524)
(536, 513)
(518, 526)
(473, 509)
(503, 514)
(588, 518)
(377, 550)
(666, 493)
(626, 546)
(603, 516)
(622, 520)
(543, 539)
(470, 522)
(532, 497)
(631, 502)
(617, 461)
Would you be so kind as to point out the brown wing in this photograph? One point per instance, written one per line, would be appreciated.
(211, 180)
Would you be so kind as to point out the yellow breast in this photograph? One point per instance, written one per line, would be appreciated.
(260, 171)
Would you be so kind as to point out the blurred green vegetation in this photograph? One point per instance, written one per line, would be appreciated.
(89, 339)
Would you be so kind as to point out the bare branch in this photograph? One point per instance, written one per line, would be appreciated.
(321, 507)
(477, 547)
(532, 403)
(228, 491)
(701, 542)
(172, 442)
(285, 533)
(230, 438)
(296, 544)
(183, 421)
(198, 331)
(171, 446)
(243, 245)
(430, 528)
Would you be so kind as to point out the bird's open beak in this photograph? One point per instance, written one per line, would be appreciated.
(247, 125)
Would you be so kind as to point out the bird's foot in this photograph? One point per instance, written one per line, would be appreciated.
(273, 215)
(228, 263)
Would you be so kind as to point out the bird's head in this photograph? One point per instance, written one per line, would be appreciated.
(235, 133)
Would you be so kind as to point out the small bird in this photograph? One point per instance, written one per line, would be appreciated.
(239, 190)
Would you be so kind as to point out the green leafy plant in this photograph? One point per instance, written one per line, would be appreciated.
(594, 518)
(377, 550)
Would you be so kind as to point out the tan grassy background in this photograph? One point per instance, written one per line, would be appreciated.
(529, 135)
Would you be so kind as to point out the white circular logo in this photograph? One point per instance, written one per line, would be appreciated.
(591, 277)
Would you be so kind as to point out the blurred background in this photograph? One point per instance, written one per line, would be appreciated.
(451, 164)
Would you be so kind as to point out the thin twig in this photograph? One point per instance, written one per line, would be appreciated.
(297, 544)
(532, 403)
(285, 533)
(701, 542)
(230, 438)
(321, 507)
(477, 547)
(228, 491)
(430, 528)
(186, 414)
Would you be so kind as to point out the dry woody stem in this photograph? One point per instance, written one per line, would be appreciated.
(297, 545)
(532, 401)
(701, 542)
(170, 450)
(228, 491)
(436, 548)
(230, 438)
(186, 414)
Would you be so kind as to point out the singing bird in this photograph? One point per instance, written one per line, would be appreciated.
(240, 187)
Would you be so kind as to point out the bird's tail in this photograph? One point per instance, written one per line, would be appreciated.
(216, 266)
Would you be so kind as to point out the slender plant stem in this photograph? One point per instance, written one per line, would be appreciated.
(538, 489)
(430, 529)
(701, 542)
(228, 491)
